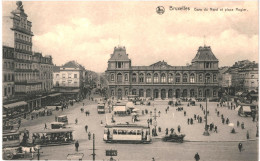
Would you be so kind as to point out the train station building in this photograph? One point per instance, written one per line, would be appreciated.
(161, 80)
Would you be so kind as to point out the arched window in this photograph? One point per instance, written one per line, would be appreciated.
(112, 77)
(192, 78)
(134, 92)
(170, 78)
(207, 78)
(134, 78)
(148, 78)
(163, 78)
(119, 77)
(126, 77)
(214, 93)
(178, 78)
(200, 78)
(214, 78)
(112, 93)
(141, 77)
(200, 93)
(155, 78)
(185, 78)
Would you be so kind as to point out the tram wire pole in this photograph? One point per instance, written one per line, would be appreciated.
(155, 123)
(94, 154)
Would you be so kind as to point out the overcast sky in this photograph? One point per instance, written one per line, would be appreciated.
(88, 31)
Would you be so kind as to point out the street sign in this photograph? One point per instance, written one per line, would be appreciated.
(111, 152)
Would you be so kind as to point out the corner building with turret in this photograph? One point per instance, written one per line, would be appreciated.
(161, 80)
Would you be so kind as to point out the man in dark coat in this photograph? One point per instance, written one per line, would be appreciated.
(77, 146)
(197, 157)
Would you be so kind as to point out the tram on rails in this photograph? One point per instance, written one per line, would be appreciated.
(127, 133)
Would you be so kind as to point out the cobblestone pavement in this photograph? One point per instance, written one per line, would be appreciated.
(158, 149)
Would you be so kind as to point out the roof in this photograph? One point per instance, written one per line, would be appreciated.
(160, 64)
(119, 54)
(246, 108)
(119, 108)
(126, 125)
(54, 94)
(204, 54)
(54, 131)
(62, 116)
(56, 69)
(73, 64)
(16, 104)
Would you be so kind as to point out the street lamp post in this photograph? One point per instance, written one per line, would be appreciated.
(206, 132)
(155, 122)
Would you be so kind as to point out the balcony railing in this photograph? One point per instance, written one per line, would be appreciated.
(23, 41)
(18, 28)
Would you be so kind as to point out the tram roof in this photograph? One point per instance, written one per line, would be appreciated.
(126, 126)
(54, 131)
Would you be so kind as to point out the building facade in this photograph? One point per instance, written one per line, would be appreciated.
(8, 73)
(162, 81)
(69, 78)
(248, 78)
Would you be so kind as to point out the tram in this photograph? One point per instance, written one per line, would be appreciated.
(11, 139)
(53, 137)
(127, 133)
(101, 108)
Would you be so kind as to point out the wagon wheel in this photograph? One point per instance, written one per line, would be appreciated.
(8, 155)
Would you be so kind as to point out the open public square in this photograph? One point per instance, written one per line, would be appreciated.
(209, 147)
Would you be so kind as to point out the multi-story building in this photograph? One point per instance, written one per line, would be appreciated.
(28, 75)
(45, 67)
(8, 73)
(248, 78)
(161, 80)
(69, 78)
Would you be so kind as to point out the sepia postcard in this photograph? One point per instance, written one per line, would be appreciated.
(130, 80)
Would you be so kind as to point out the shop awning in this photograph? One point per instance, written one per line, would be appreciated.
(70, 91)
(55, 94)
(119, 109)
(246, 109)
(16, 104)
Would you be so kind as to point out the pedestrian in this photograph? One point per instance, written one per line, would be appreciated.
(204, 112)
(151, 113)
(238, 123)
(184, 113)
(159, 113)
(188, 121)
(222, 116)
(200, 119)
(242, 125)
(166, 131)
(218, 113)
(227, 121)
(216, 129)
(159, 129)
(195, 117)
(179, 128)
(76, 121)
(45, 126)
(153, 159)
(166, 110)
(56, 118)
(77, 146)
(240, 146)
(151, 121)
(89, 135)
(247, 134)
(191, 121)
(197, 157)
(223, 120)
